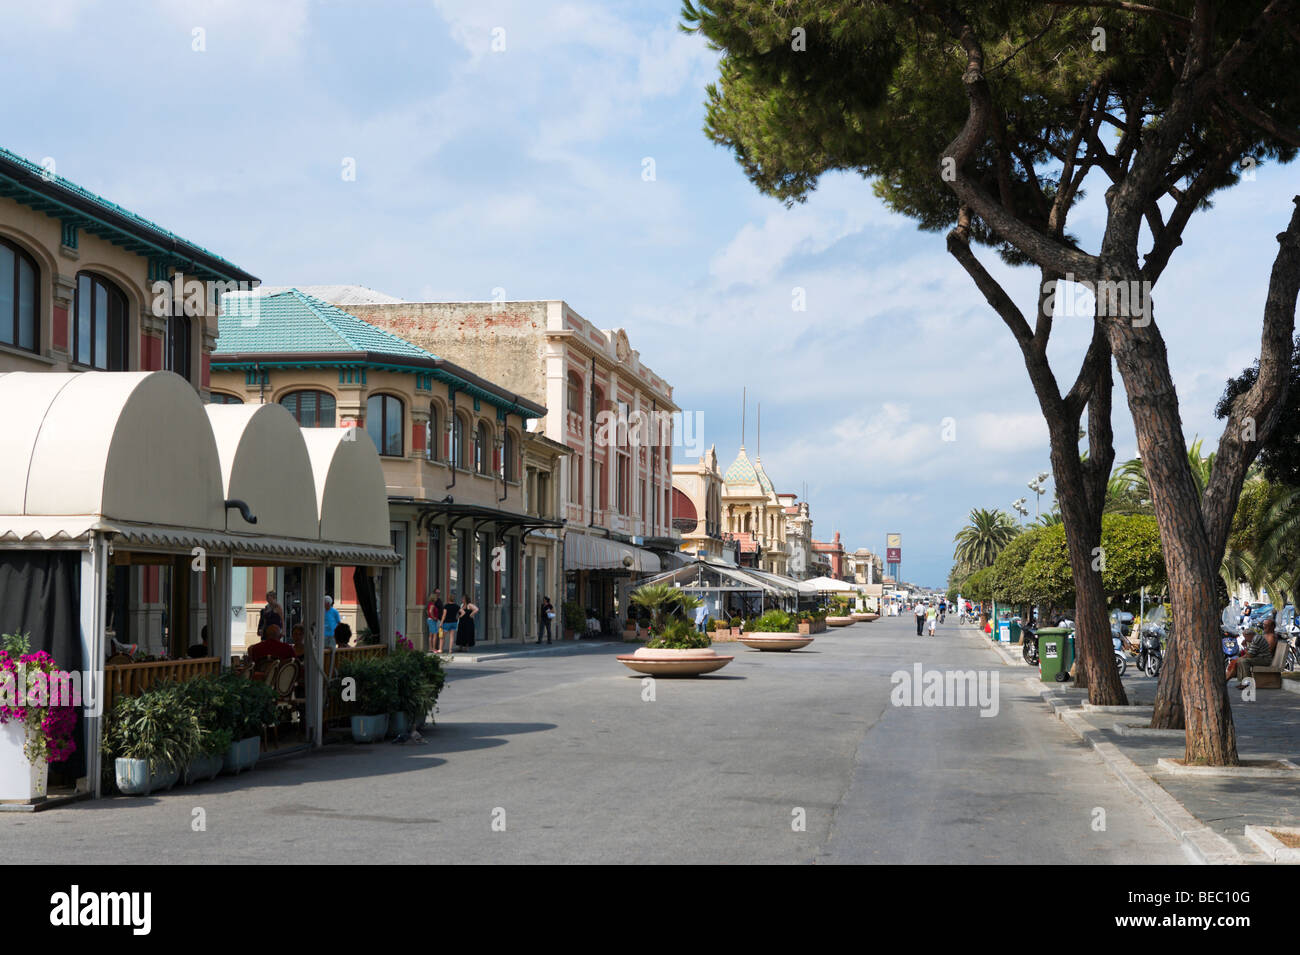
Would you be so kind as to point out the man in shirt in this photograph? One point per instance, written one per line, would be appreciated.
(270, 646)
(331, 621)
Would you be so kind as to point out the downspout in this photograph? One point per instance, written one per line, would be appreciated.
(505, 468)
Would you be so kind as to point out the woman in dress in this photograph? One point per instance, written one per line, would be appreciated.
(468, 611)
(449, 621)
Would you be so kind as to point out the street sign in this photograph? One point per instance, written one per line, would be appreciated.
(894, 555)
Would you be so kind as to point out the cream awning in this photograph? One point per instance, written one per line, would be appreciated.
(585, 552)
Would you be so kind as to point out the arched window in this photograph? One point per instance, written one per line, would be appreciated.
(99, 333)
(20, 298)
(483, 449)
(384, 424)
(432, 436)
(507, 469)
(457, 441)
(575, 394)
(311, 409)
(176, 348)
(218, 398)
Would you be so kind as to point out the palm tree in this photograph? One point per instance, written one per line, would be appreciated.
(980, 541)
(661, 599)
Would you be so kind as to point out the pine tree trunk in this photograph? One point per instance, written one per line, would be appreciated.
(1168, 713)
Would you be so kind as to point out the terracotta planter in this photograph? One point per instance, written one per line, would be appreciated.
(805, 627)
(673, 662)
(871, 617)
(775, 641)
(725, 635)
(860, 617)
(838, 621)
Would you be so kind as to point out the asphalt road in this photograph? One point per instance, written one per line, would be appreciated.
(559, 758)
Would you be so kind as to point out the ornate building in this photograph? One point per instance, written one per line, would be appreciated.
(753, 515)
(697, 506)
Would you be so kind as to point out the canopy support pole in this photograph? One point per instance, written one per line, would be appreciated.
(94, 596)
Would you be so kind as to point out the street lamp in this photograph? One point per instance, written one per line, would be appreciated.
(1039, 486)
(1018, 506)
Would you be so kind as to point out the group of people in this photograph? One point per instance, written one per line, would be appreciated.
(928, 615)
(450, 624)
(1258, 649)
(270, 627)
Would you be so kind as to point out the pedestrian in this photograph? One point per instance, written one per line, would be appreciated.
(447, 624)
(272, 614)
(331, 621)
(943, 608)
(701, 618)
(919, 612)
(545, 614)
(932, 617)
(433, 619)
(468, 611)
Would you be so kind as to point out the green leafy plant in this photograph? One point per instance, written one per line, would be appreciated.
(679, 635)
(160, 726)
(775, 621)
(574, 618)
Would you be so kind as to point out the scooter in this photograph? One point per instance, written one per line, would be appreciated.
(1029, 645)
(1121, 658)
(1150, 650)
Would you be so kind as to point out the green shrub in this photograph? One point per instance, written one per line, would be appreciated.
(679, 635)
(775, 621)
(574, 618)
(160, 726)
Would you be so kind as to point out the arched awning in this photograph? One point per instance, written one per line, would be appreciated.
(351, 493)
(121, 446)
(264, 462)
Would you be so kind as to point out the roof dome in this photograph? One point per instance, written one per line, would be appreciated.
(764, 481)
(741, 470)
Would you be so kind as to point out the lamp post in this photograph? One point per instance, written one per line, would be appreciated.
(1039, 486)
(1018, 506)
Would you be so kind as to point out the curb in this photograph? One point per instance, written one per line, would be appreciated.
(1201, 843)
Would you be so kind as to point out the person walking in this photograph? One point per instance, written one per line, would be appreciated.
(331, 621)
(544, 617)
(932, 617)
(919, 612)
(943, 608)
(433, 618)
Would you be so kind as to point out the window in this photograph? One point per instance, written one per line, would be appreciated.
(575, 479)
(176, 349)
(622, 488)
(574, 402)
(19, 298)
(483, 449)
(543, 495)
(311, 409)
(384, 424)
(432, 436)
(457, 441)
(506, 468)
(218, 398)
(99, 333)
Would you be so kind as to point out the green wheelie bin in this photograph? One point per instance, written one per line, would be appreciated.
(1055, 653)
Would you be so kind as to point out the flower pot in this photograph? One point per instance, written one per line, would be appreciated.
(368, 729)
(136, 777)
(203, 767)
(20, 779)
(775, 641)
(242, 755)
(398, 724)
(805, 627)
(838, 621)
(674, 662)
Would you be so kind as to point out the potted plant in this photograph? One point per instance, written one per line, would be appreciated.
(677, 649)
(150, 739)
(33, 733)
(415, 680)
(243, 707)
(370, 685)
(204, 695)
(775, 630)
(735, 628)
(575, 621)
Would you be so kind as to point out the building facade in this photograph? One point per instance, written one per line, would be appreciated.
(472, 494)
(753, 515)
(697, 506)
(86, 285)
(613, 413)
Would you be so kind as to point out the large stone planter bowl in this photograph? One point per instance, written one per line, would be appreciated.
(673, 662)
(871, 617)
(775, 641)
(839, 621)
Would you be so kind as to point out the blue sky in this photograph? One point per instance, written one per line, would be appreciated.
(523, 169)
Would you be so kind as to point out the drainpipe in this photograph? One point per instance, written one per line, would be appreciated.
(505, 468)
(451, 463)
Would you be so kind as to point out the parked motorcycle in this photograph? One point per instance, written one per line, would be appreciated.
(1029, 645)
(1151, 639)
(1121, 657)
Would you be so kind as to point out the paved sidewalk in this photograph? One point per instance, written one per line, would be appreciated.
(1268, 728)
(510, 651)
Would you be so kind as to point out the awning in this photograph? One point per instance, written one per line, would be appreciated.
(584, 552)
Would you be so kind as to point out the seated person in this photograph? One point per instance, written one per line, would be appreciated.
(343, 635)
(299, 640)
(1257, 651)
(270, 646)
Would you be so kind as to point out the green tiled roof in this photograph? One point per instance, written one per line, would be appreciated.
(294, 322)
(64, 199)
(741, 470)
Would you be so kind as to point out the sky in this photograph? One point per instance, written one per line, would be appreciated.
(555, 150)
